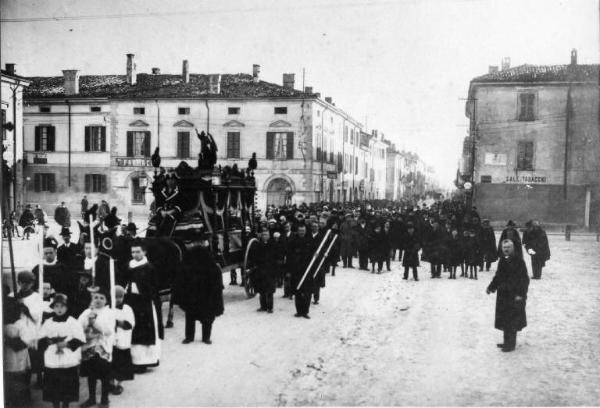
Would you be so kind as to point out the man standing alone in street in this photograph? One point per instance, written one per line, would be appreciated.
(511, 281)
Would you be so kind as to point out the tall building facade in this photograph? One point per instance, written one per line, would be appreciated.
(534, 145)
(93, 135)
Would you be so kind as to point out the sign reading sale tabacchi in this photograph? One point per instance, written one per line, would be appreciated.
(525, 179)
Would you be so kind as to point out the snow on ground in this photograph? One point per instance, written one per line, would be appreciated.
(379, 340)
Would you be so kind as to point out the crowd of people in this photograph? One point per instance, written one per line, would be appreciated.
(74, 329)
(69, 326)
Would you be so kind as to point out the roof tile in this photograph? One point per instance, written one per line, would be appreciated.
(159, 86)
(543, 73)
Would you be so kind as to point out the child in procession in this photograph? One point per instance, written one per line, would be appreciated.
(98, 322)
(61, 338)
(27, 296)
(19, 332)
(122, 367)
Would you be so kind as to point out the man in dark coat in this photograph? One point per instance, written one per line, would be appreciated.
(347, 241)
(62, 216)
(511, 232)
(397, 232)
(362, 233)
(487, 244)
(411, 247)
(265, 277)
(62, 279)
(536, 244)
(142, 296)
(511, 281)
(69, 253)
(435, 240)
(199, 291)
(316, 236)
(299, 255)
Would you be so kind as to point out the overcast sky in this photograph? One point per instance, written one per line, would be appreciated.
(400, 66)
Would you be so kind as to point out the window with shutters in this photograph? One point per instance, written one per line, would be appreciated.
(45, 109)
(525, 156)
(280, 110)
(95, 139)
(526, 104)
(138, 144)
(44, 138)
(233, 145)
(44, 182)
(184, 111)
(345, 134)
(95, 183)
(356, 165)
(280, 145)
(233, 111)
(183, 145)
(139, 111)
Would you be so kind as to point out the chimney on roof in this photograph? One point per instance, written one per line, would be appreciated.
(288, 80)
(492, 69)
(214, 84)
(573, 56)
(71, 81)
(505, 63)
(155, 71)
(185, 72)
(131, 74)
(308, 89)
(255, 72)
(10, 69)
(329, 100)
(318, 94)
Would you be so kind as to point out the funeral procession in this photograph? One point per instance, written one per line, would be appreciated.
(188, 222)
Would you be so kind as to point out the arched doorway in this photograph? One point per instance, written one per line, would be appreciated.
(279, 192)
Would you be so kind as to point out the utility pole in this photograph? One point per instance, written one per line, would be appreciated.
(473, 133)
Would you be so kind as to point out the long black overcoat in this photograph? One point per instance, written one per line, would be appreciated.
(511, 280)
(538, 241)
(199, 286)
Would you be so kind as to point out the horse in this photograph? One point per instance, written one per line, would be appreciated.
(165, 254)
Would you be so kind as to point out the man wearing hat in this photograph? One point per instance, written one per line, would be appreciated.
(60, 276)
(169, 206)
(69, 253)
(131, 230)
(511, 232)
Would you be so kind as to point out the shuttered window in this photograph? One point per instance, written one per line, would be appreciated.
(138, 144)
(44, 139)
(95, 183)
(233, 145)
(526, 106)
(280, 145)
(525, 156)
(95, 139)
(356, 165)
(44, 182)
(183, 145)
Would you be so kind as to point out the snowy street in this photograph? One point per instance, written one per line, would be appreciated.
(379, 340)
